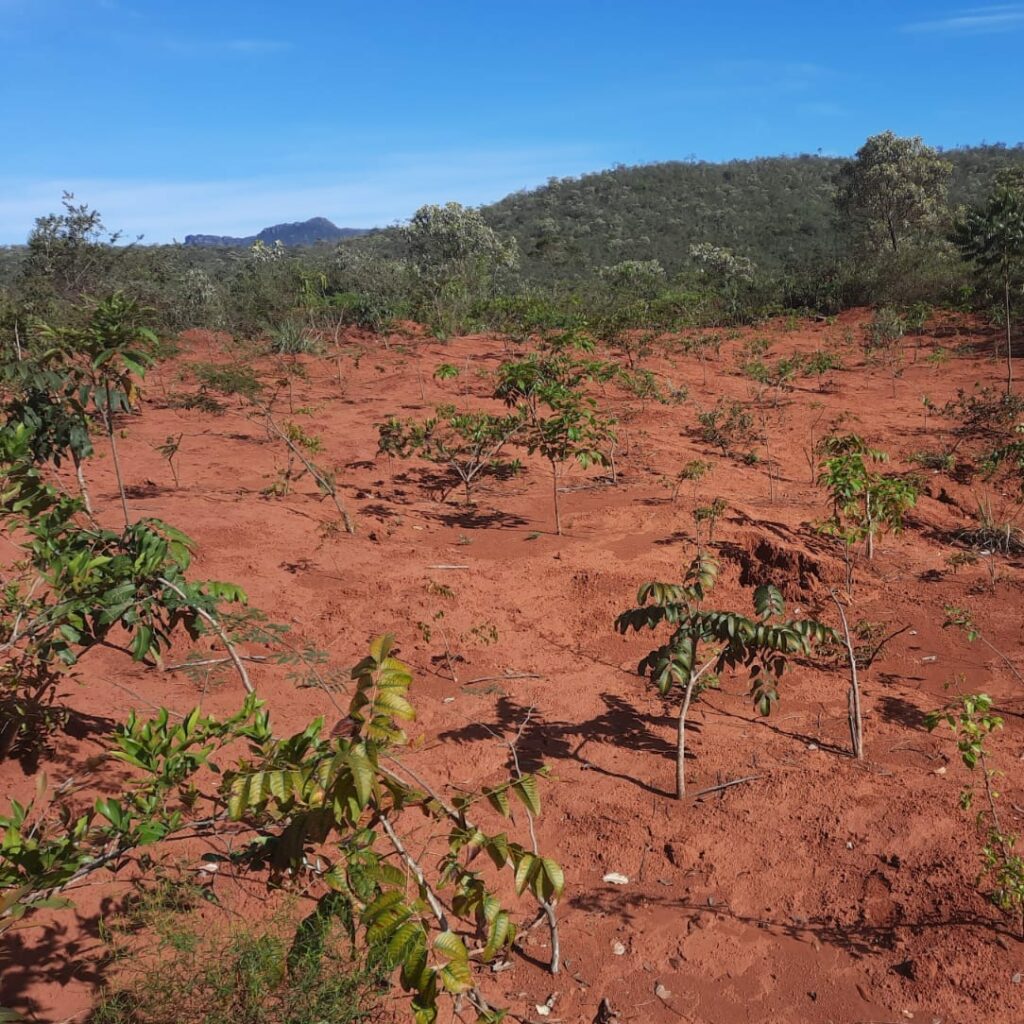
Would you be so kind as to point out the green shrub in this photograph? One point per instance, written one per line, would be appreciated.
(290, 338)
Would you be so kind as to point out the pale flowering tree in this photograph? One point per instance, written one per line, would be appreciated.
(724, 271)
(456, 258)
(894, 191)
(635, 279)
(260, 252)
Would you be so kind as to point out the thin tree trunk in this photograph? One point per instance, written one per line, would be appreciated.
(83, 489)
(558, 514)
(681, 734)
(1009, 336)
(108, 417)
(681, 740)
(870, 540)
(767, 452)
(853, 699)
(215, 625)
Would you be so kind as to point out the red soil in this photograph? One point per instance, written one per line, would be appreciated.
(824, 890)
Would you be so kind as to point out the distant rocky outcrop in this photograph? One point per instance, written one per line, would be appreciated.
(306, 232)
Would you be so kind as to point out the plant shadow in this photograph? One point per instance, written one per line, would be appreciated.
(861, 939)
(538, 740)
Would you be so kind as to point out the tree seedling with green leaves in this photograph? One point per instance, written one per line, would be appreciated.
(302, 448)
(704, 642)
(727, 425)
(572, 432)
(709, 515)
(864, 502)
(169, 452)
(469, 444)
(883, 342)
(692, 472)
(962, 619)
(972, 721)
(446, 371)
(559, 422)
(111, 348)
(41, 390)
(83, 586)
(819, 364)
(330, 816)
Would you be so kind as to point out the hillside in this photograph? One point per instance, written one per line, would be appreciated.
(306, 232)
(777, 210)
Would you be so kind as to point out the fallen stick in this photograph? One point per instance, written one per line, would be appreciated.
(508, 675)
(211, 661)
(447, 566)
(724, 785)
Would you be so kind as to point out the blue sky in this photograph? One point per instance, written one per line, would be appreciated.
(223, 116)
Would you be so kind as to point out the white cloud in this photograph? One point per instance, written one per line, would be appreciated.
(975, 21)
(373, 196)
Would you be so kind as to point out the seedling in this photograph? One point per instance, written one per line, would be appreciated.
(169, 451)
(559, 422)
(727, 425)
(820, 364)
(468, 443)
(705, 642)
(883, 341)
(709, 514)
(962, 619)
(972, 722)
(864, 502)
(108, 354)
(692, 472)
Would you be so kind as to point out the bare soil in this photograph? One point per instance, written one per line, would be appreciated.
(822, 890)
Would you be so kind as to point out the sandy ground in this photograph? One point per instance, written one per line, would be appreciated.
(823, 890)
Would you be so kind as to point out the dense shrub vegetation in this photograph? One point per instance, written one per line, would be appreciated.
(654, 246)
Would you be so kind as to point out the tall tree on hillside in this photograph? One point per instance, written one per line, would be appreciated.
(455, 255)
(893, 191)
(992, 237)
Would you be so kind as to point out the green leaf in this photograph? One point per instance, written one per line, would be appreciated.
(456, 976)
(452, 947)
(526, 789)
(498, 799)
(524, 870)
(381, 646)
(554, 878)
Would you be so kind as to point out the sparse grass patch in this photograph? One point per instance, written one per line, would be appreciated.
(195, 973)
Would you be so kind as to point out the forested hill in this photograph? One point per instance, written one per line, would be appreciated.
(777, 210)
